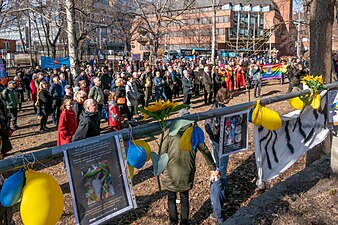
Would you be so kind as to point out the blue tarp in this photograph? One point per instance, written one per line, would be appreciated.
(52, 63)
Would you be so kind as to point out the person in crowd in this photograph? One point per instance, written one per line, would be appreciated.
(197, 81)
(114, 115)
(121, 98)
(176, 82)
(159, 87)
(216, 80)
(240, 77)
(296, 74)
(284, 70)
(4, 111)
(83, 86)
(96, 93)
(68, 92)
(45, 101)
(63, 83)
(208, 86)
(27, 77)
(12, 102)
(79, 98)
(168, 86)
(83, 77)
(88, 126)
(228, 79)
(218, 184)
(178, 176)
(139, 86)
(68, 76)
(19, 89)
(67, 124)
(147, 79)
(34, 92)
(5, 130)
(257, 79)
(187, 87)
(53, 75)
(56, 92)
(105, 79)
(132, 98)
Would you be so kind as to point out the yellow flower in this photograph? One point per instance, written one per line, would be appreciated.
(319, 79)
(158, 106)
(306, 78)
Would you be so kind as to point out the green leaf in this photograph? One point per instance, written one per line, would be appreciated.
(179, 107)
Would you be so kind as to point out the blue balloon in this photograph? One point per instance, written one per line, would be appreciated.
(197, 137)
(11, 189)
(136, 156)
(250, 115)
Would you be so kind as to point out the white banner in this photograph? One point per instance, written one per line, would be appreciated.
(276, 151)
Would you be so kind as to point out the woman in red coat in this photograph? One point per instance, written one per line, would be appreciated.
(67, 123)
(34, 91)
(114, 114)
(240, 79)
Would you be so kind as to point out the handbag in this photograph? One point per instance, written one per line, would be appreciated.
(121, 101)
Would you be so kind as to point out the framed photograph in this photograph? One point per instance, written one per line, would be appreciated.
(234, 133)
(332, 100)
(98, 180)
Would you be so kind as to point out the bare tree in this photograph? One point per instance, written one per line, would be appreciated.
(155, 16)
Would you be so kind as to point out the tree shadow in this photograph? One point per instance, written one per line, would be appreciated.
(270, 93)
(143, 175)
(240, 188)
(143, 205)
(40, 147)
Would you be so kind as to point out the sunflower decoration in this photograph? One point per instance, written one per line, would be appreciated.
(161, 110)
(315, 84)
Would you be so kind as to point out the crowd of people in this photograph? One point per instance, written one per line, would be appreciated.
(77, 105)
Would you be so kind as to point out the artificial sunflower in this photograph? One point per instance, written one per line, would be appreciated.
(314, 83)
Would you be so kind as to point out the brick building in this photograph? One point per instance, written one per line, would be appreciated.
(7, 46)
(241, 25)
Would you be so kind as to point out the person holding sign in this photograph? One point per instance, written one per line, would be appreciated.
(218, 184)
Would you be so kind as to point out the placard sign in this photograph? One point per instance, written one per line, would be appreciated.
(332, 98)
(97, 179)
(234, 133)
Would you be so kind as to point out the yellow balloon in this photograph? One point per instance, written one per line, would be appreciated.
(296, 103)
(145, 145)
(42, 199)
(315, 101)
(256, 114)
(270, 119)
(185, 141)
(131, 171)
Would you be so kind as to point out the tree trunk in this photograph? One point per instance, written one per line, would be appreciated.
(213, 43)
(70, 10)
(321, 24)
(20, 35)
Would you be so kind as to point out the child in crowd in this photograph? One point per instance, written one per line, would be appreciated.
(114, 114)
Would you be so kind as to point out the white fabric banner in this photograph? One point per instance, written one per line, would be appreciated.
(276, 151)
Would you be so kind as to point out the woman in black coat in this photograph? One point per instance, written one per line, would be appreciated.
(45, 106)
(6, 145)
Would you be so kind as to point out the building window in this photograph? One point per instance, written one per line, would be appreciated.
(220, 31)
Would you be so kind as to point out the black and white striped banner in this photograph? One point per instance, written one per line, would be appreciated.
(276, 151)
